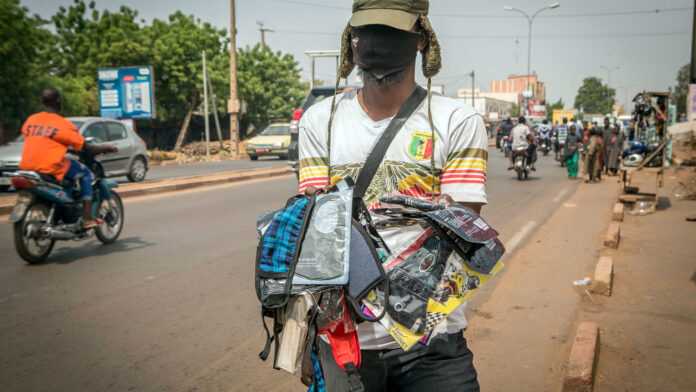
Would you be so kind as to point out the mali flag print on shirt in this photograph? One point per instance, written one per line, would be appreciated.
(421, 146)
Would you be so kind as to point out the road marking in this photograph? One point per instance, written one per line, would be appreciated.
(570, 205)
(519, 236)
(560, 195)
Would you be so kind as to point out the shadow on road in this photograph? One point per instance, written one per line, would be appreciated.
(94, 248)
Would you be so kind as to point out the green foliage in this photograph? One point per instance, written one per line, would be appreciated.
(23, 43)
(595, 97)
(84, 39)
(558, 105)
(176, 55)
(681, 90)
(515, 111)
(88, 39)
(269, 85)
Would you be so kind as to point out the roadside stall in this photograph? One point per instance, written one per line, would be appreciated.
(647, 150)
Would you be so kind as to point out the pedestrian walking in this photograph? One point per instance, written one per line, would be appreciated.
(593, 159)
(441, 151)
(613, 149)
(571, 153)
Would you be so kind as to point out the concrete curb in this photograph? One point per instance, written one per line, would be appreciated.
(179, 184)
(613, 236)
(617, 214)
(579, 376)
(603, 276)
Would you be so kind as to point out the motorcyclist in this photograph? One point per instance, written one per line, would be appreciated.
(545, 132)
(47, 137)
(561, 136)
(504, 130)
(522, 138)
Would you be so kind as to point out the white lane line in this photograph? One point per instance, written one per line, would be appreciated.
(560, 195)
(516, 239)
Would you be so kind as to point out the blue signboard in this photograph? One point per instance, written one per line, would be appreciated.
(127, 92)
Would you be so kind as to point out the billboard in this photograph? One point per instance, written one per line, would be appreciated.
(126, 92)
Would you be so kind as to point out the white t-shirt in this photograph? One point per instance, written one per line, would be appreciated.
(461, 155)
(519, 136)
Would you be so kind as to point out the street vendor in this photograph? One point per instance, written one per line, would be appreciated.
(441, 153)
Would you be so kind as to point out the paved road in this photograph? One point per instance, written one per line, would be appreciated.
(171, 306)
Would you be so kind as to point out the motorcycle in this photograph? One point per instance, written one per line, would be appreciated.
(545, 146)
(560, 147)
(46, 212)
(521, 165)
(637, 151)
(507, 145)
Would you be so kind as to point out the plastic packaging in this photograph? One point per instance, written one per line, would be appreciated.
(326, 247)
(643, 208)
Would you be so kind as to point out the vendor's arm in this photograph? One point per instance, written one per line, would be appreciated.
(464, 176)
(313, 154)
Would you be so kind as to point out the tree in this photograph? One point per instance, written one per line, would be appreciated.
(558, 105)
(23, 42)
(595, 97)
(87, 39)
(269, 85)
(515, 111)
(681, 90)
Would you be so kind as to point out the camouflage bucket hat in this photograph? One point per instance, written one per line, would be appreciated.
(399, 14)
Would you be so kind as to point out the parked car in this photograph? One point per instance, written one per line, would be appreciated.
(130, 160)
(315, 95)
(273, 141)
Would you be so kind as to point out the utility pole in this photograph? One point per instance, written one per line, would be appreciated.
(205, 108)
(263, 31)
(233, 103)
(530, 21)
(609, 71)
(693, 49)
(473, 92)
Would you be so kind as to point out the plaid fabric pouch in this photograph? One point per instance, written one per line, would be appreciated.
(281, 240)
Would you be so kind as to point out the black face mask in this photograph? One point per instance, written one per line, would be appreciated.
(382, 50)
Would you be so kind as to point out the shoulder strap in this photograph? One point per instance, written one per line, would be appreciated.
(369, 169)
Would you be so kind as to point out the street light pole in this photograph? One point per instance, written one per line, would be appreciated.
(263, 31)
(233, 103)
(530, 21)
(609, 71)
(473, 91)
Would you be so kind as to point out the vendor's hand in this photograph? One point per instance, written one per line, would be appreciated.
(311, 191)
(444, 200)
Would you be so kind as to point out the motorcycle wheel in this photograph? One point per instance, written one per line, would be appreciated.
(32, 250)
(519, 175)
(526, 174)
(111, 212)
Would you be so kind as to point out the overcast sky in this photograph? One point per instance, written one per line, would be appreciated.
(569, 43)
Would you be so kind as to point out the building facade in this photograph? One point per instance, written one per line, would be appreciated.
(492, 108)
(516, 84)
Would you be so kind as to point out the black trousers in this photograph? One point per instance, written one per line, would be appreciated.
(445, 365)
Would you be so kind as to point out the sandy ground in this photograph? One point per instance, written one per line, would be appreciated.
(521, 335)
(648, 325)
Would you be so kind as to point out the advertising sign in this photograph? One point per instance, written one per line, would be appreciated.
(127, 92)
(537, 108)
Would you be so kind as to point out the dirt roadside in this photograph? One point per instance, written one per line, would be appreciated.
(648, 325)
(521, 335)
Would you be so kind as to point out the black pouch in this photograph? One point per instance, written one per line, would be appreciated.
(366, 272)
